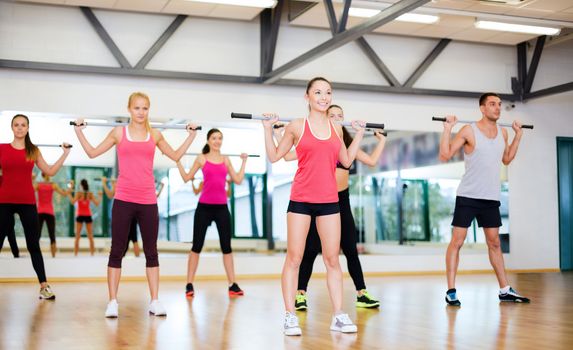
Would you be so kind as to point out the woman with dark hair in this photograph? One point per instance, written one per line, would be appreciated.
(318, 144)
(213, 206)
(84, 214)
(46, 215)
(348, 234)
(17, 160)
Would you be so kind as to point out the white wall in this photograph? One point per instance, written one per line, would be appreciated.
(532, 176)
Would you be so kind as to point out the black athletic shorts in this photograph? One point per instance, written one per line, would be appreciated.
(84, 218)
(484, 210)
(313, 209)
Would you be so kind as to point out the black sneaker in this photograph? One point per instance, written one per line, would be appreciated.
(189, 292)
(366, 301)
(452, 298)
(234, 290)
(512, 295)
(300, 302)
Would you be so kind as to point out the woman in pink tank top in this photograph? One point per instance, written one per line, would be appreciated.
(84, 214)
(45, 206)
(213, 206)
(318, 146)
(135, 192)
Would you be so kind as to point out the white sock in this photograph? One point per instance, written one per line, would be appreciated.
(504, 290)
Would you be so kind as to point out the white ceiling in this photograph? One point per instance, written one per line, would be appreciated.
(457, 17)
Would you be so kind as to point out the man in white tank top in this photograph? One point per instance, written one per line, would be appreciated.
(485, 148)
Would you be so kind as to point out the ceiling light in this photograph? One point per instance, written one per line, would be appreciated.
(247, 3)
(418, 18)
(407, 17)
(516, 28)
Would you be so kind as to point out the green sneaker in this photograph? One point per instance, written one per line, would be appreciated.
(300, 303)
(366, 301)
(46, 293)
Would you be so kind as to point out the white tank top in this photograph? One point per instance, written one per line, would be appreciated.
(483, 167)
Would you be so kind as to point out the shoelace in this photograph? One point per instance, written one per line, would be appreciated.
(344, 319)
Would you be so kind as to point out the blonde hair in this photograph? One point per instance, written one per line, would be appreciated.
(138, 94)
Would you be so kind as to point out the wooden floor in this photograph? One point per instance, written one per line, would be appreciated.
(413, 315)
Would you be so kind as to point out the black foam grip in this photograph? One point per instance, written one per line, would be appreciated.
(375, 126)
(241, 115)
(68, 146)
(527, 126)
(73, 123)
(438, 119)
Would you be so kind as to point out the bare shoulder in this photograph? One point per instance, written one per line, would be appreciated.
(295, 126)
(117, 133)
(504, 133)
(201, 159)
(156, 135)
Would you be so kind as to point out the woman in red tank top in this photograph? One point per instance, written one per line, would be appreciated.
(135, 145)
(84, 214)
(17, 159)
(46, 190)
(318, 146)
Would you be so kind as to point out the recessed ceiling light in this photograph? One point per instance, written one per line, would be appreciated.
(516, 28)
(247, 3)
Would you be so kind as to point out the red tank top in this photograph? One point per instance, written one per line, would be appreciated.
(84, 207)
(45, 195)
(17, 185)
(315, 179)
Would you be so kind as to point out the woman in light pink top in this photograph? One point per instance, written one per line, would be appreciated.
(135, 192)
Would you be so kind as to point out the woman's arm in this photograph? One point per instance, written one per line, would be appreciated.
(274, 153)
(197, 190)
(94, 199)
(108, 192)
(347, 156)
(372, 158)
(111, 139)
(166, 149)
(237, 177)
(51, 170)
(197, 164)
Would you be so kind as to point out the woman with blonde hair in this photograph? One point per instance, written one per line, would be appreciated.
(135, 192)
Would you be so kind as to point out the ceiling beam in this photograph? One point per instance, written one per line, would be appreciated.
(105, 37)
(154, 49)
(345, 37)
(427, 62)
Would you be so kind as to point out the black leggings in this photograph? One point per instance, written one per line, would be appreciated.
(205, 214)
(11, 235)
(29, 217)
(348, 240)
(50, 221)
(122, 215)
(132, 234)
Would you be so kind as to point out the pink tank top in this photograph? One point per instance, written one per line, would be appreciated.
(45, 195)
(135, 182)
(214, 178)
(315, 179)
(84, 207)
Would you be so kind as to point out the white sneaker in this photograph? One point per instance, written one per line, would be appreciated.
(291, 325)
(112, 309)
(342, 323)
(156, 308)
